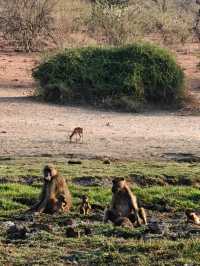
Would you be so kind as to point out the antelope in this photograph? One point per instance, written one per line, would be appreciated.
(78, 131)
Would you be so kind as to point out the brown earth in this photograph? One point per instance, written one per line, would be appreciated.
(28, 127)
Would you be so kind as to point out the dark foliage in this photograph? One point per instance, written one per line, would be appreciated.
(136, 73)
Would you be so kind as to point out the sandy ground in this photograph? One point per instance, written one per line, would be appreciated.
(28, 127)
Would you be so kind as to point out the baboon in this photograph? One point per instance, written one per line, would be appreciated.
(61, 203)
(123, 222)
(85, 205)
(72, 232)
(124, 204)
(192, 217)
(143, 215)
(78, 131)
(55, 195)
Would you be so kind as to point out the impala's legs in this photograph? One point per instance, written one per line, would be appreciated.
(80, 136)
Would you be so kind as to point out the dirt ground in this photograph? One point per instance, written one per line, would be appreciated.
(28, 127)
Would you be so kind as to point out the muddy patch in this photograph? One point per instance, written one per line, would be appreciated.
(182, 157)
(172, 226)
(143, 180)
(27, 180)
(25, 201)
(163, 180)
(92, 181)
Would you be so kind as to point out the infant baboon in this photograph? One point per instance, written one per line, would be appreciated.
(55, 195)
(124, 204)
(192, 217)
(85, 205)
(123, 222)
(78, 131)
(61, 203)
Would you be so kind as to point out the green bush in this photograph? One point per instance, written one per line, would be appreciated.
(143, 72)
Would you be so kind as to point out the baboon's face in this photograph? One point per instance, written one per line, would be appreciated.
(85, 198)
(61, 198)
(188, 212)
(49, 172)
(118, 184)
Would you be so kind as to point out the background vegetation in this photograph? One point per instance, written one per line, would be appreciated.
(164, 189)
(115, 77)
(59, 23)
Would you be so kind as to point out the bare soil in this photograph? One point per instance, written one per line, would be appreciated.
(29, 127)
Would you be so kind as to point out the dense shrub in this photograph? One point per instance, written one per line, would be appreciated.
(142, 72)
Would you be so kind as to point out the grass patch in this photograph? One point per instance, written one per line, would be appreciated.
(23, 168)
(100, 250)
(177, 198)
(108, 245)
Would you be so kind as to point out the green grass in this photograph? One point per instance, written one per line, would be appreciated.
(107, 245)
(50, 249)
(175, 197)
(24, 167)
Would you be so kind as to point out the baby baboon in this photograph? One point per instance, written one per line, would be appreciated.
(72, 232)
(124, 204)
(78, 131)
(55, 195)
(61, 203)
(142, 217)
(192, 217)
(123, 222)
(85, 205)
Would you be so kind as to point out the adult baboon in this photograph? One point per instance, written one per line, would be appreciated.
(124, 204)
(55, 195)
(85, 205)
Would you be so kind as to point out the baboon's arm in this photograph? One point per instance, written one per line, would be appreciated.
(112, 205)
(41, 207)
(41, 199)
(143, 216)
(51, 189)
(134, 206)
(43, 202)
(35, 206)
(45, 195)
(105, 216)
(133, 201)
(49, 196)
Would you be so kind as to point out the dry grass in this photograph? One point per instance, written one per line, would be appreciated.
(77, 23)
(70, 24)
